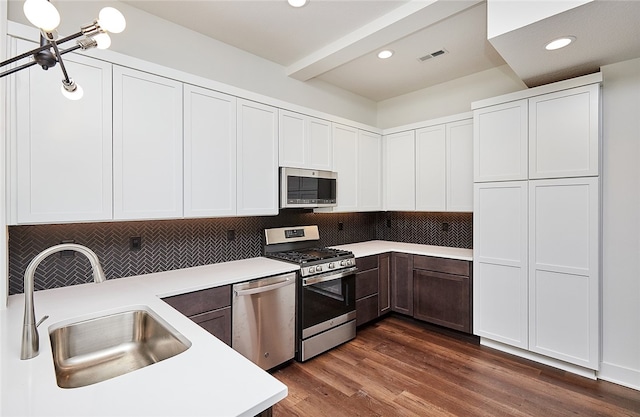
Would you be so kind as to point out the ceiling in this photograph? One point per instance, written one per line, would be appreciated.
(337, 40)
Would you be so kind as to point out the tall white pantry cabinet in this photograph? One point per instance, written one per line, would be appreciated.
(537, 223)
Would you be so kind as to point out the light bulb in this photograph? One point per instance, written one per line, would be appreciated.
(103, 40)
(111, 20)
(559, 43)
(387, 53)
(42, 14)
(297, 3)
(72, 91)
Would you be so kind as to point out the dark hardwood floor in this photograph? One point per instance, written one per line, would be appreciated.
(400, 367)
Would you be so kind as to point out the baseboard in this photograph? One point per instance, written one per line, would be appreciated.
(574, 369)
(620, 375)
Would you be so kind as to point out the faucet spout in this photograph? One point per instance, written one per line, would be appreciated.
(30, 339)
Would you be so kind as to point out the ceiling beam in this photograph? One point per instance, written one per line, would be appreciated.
(403, 21)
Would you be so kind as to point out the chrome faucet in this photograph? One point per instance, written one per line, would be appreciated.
(30, 341)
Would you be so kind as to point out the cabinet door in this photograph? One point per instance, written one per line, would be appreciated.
(563, 133)
(431, 169)
(257, 151)
(369, 171)
(564, 269)
(384, 283)
(460, 166)
(399, 166)
(500, 239)
(442, 299)
(63, 147)
(147, 146)
(217, 322)
(319, 144)
(402, 287)
(500, 142)
(345, 163)
(291, 142)
(209, 153)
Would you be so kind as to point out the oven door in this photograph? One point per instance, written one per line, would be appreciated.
(326, 301)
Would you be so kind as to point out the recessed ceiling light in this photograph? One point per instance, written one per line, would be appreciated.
(559, 43)
(297, 3)
(387, 53)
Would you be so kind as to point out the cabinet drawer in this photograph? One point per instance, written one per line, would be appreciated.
(366, 283)
(446, 265)
(200, 301)
(217, 322)
(367, 262)
(366, 309)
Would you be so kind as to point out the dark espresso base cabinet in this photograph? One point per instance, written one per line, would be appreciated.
(210, 309)
(442, 292)
(366, 289)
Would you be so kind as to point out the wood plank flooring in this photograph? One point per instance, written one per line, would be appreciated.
(401, 367)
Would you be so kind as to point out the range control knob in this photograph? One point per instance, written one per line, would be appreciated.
(312, 269)
(319, 268)
(342, 263)
(332, 265)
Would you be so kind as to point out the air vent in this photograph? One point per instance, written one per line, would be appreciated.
(432, 55)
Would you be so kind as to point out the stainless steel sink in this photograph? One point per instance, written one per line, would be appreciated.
(97, 349)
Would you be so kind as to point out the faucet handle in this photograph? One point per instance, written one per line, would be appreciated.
(41, 320)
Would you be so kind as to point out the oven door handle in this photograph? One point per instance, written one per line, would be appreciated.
(323, 278)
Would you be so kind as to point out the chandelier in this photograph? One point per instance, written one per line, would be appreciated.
(44, 15)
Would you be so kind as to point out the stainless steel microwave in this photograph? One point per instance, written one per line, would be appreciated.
(307, 188)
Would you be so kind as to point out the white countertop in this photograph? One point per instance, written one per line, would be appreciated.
(209, 378)
(375, 247)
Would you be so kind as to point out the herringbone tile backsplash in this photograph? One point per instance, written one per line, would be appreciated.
(175, 244)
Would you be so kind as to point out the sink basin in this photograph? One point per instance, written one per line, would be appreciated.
(94, 350)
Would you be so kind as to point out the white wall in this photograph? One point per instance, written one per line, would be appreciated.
(448, 98)
(621, 224)
(156, 40)
(4, 274)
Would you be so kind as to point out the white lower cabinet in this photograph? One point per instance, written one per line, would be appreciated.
(257, 153)
(500, 262)
(209, 153)
(536, 269)
(564, 269)
(61, 149)
(147, 146)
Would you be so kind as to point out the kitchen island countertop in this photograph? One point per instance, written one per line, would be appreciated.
(209, 378)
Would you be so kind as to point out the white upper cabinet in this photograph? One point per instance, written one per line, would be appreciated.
(147, 145)
(257, 153)
(400, 172)
(460, 166)
(305, 141)
(345, 163)
(209, 153)
(431, 168)
(563, 133)
(369, 171)
(500, 142)
(62, 148)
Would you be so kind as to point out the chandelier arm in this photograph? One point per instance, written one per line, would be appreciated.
(59, 58)
(36, 50)
(32, 63)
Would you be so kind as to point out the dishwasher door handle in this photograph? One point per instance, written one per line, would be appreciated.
(260, 289)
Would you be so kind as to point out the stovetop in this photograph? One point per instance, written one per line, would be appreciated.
(310, 255)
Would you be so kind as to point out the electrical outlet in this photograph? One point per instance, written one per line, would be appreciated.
(135, 243)
(445, 227)
(340, 226)
(231, 235)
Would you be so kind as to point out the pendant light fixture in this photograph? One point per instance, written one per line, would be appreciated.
(44, 15)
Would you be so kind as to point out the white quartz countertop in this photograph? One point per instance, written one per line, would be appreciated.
(375, 247)
(209, 378)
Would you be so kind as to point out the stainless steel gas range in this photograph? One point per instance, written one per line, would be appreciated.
(326, 304)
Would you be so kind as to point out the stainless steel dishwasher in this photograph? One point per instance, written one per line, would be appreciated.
(263, 317)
